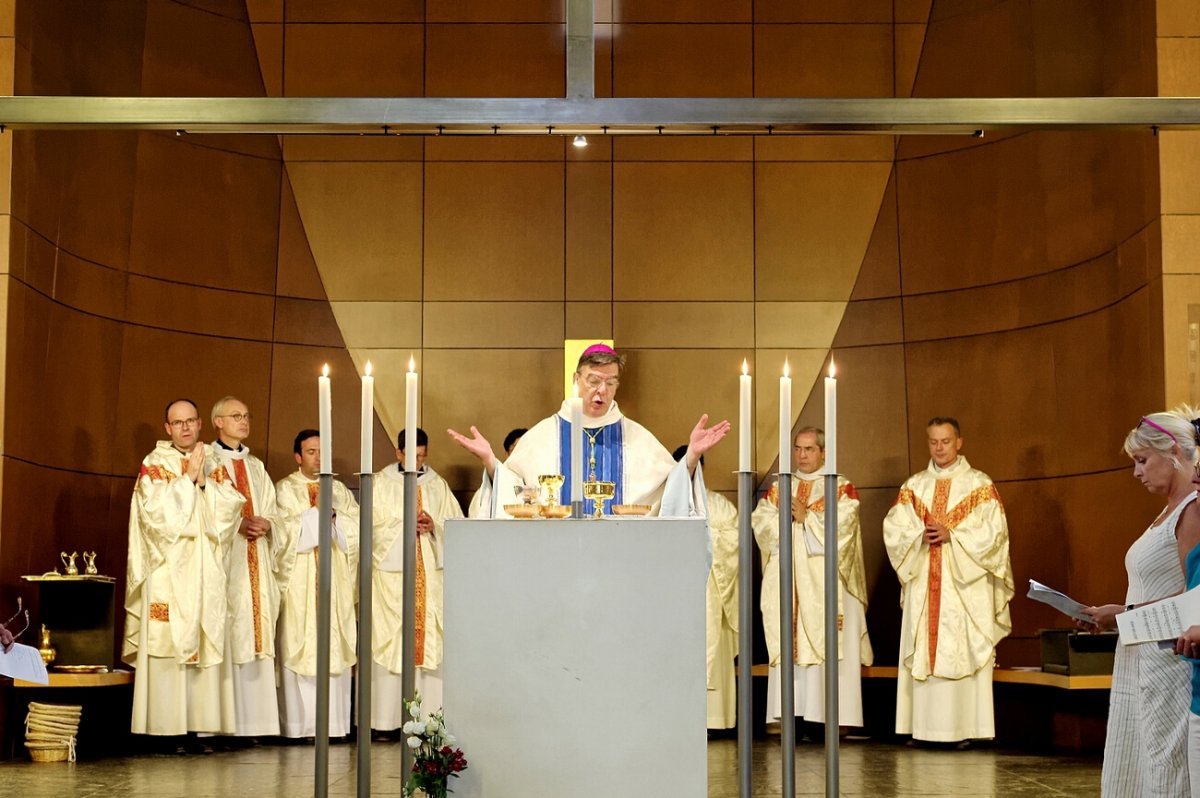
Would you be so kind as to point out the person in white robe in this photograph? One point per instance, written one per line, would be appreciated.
(435, 505)
(808, 589)
(253, 568)
(477, 508)
(179, 524)
(947, 539)
(720, 608)
(616, 449)
(297, 496)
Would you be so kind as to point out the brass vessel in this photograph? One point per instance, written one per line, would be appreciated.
(46, 650)
(599, 492)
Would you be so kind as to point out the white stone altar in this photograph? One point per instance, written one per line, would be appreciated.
(575, 657)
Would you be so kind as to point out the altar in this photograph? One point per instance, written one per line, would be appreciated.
(575, 656)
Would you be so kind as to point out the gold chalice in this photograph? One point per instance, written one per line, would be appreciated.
(550, 484)
(599, 492)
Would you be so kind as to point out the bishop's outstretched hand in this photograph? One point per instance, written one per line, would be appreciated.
(704, 438)
(478, 446)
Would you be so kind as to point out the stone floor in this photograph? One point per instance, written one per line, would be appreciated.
(868, 769)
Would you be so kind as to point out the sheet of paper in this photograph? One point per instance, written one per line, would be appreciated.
(24, 662)
(1162, 620)
(1059, 601)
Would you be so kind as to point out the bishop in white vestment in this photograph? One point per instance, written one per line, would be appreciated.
(808, 588)
(179, 524)
(297, 496)
(253, 563)
(435, 504)
(947, 538)
(616, 449)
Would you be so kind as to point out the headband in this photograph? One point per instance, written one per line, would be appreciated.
(1150, 423)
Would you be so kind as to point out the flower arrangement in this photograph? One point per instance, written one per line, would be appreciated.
(435, 757)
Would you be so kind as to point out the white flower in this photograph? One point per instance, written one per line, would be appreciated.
(414, 743)
(431, 727)
(450, 739)
(414, 709)
(412, 727)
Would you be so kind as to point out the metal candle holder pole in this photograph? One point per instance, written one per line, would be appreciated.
(366, 503)
(577, 508)
(832, 741)
(408, 678)
(745, 683)
(787, 662)
(324, 610)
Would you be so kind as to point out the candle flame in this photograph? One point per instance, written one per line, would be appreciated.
(325, 370)
(832, 368)
(412, 364)
(787, 372)
(368, 368)
(745, 367)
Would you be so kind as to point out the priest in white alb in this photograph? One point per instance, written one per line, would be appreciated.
(435, 504)
(253, 563)
(179, 524)
(947, 538)
(808, 589)
(616, 449)
(297, 496)
(721, 607)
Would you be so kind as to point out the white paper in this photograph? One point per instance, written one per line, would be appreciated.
(23, 662)
(1059, 601)
(1162, 620)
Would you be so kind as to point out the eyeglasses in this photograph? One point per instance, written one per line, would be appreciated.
(180, 423)
(8, 624)
(594, 381)
(238, 417)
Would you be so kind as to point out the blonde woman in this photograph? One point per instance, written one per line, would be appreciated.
(1145, 752)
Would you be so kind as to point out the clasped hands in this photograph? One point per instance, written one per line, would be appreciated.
(254, 527)
(193, 465)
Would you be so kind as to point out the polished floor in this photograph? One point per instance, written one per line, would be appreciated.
(868, 769)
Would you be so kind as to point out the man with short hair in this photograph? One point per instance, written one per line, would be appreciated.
(254, 570)
(947, 538)
(721, 606)
(616, 449)
(435, 504)
(808, 588)
(297, 496)
(179, 523)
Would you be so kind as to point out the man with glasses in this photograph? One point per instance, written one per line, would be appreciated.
(616, 449)
(255, 569)
(179, 522)
(808, 588)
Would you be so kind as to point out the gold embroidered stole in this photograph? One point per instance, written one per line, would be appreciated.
(241, 481)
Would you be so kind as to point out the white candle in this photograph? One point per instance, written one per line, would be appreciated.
(325, 415)
(410, 416)
(575, 403)
(831, 420)
(745, 433)
(368, 417)
(785, 421)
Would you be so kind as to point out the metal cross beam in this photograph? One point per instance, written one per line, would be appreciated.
(614, 116)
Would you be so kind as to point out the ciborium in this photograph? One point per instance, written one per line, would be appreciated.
(599, 492)
(551, 485)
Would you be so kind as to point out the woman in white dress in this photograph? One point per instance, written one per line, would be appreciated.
(1145, 752)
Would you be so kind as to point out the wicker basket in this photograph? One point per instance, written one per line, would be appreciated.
(50, 732)
(58, 754)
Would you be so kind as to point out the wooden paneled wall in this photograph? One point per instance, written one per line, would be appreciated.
(1007, 281)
